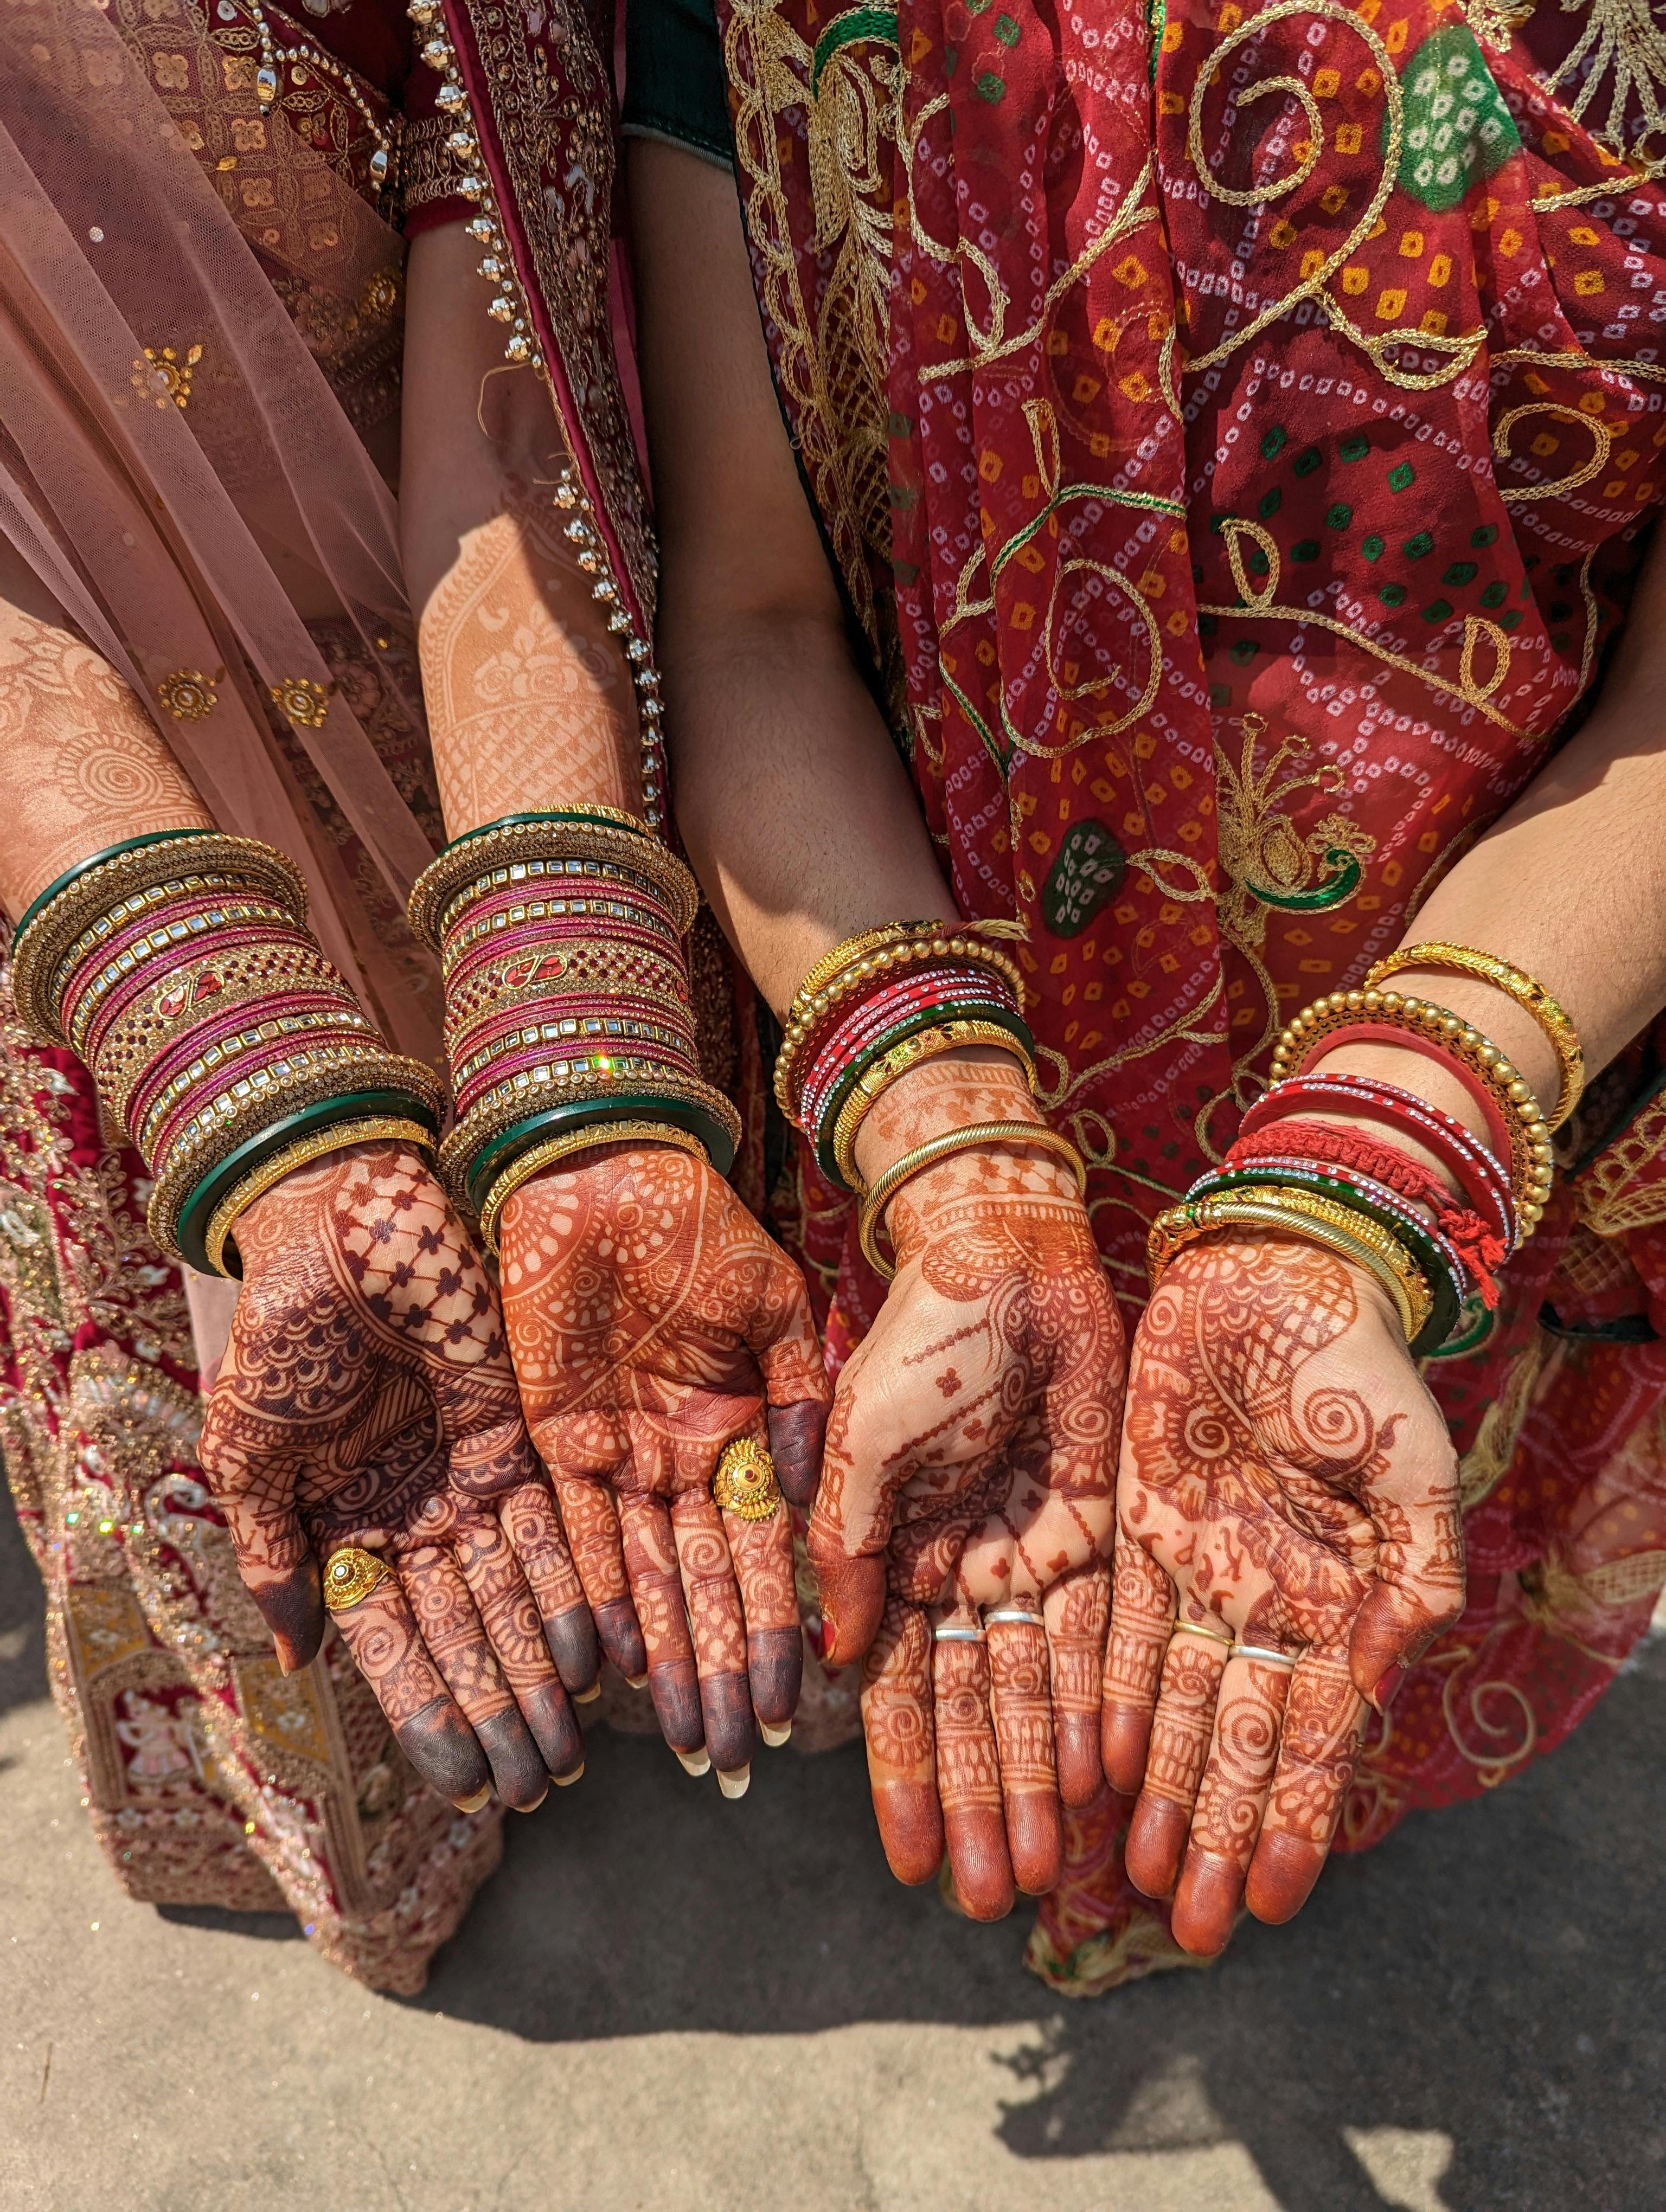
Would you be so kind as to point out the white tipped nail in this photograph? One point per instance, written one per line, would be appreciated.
(637, 1681)
(696, 1762)
(736, 1782)
(473, 1804)
(565, 1781)
(587, 1697)
(775, 1734)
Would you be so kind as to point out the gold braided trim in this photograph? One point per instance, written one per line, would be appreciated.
(83, 912)
(480, 862)
(1523, 989)
(944, 1147)
(1301, 1213)
(913, 1052)
(370, 1129)
(571, 1142)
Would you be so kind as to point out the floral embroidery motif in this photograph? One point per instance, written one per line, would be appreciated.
(188, 695)
(302, 701)
(163, 374)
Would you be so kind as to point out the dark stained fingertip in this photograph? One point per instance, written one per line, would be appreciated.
(796, 1434)
(1207, 1903)
(1077, 1750)
(774, 1667)
(1388, 1689)
(445, 1751)
(1281, 1877)
(555, 1728)
(293, 1609)
(519, 1773)
(853, 1600)
(571, 1637)
(675, 1690)
(1124, 1740)
(1035, 1841)
(725, 1706)
(1155, 1844)
(910, 1820)
(978, 1861)
(621, 1635)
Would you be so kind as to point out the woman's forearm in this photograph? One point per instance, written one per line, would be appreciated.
(797, 812)
(530, 703)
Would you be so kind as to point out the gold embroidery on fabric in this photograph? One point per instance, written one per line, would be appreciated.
(302, 701)
(188, 695)
(163, 374)
(1602, 438)
(1622, 47)
(1486, 1462)
(1617, 1192)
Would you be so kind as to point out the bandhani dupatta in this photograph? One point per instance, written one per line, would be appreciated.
(1233, 431)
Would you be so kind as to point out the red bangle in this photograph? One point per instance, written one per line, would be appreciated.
(1408, 1040)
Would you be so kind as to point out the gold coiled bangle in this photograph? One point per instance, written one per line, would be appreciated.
(924, 1045)
(1300, 1213)
(371, 1128)
(943, 1147)
(567, 1146)
(1529, 993)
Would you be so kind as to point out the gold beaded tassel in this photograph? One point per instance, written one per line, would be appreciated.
(1531, 1163)
(510, 306)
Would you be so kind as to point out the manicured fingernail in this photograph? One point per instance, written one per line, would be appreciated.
(1388, 1689)
(565, 1781)
(736, 1782)
(637, 1681)
(775, 1734)
(696, 1762)
(536, 1802)
(588, 1697)
(473, 1804)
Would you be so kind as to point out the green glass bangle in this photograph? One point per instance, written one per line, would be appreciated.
(97, 861)
(1443, 1315)
(953, 1010)
(198, 1208)
(635, 1106)
(594, 817)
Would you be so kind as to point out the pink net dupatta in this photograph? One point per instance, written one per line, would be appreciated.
(178, 471)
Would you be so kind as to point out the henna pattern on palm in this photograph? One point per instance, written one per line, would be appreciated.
(651, 1321)
(969, 1467)
(1285, 1480)
(366, 1398)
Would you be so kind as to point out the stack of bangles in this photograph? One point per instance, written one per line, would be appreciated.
(568, 1022)
(178, 966)
(877, 1005)
(1353, 1189)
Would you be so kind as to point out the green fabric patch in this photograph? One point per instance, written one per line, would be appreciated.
(1461, 572)
(1305, 548)
(1271, 501)
(1339, 517)
(1495, 595)
(1373, 549)
(1415, 548)
(1393, 595)
(991, 88)
(1485, 535)
(1274, 443)
(1354, 448)
(1307, 461)
(1457, 129)
(1400, 479)
(1089, 871)
(1437, 611)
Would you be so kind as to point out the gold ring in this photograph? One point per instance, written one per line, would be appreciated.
(351, 1576)
(1196, 1628)
(745, 1480)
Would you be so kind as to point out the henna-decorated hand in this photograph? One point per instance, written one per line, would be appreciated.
(969, 1465)
(1286, 1471)
(366, 1398)
(652, 1322)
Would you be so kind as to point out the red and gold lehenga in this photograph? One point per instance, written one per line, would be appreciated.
(1098, 351)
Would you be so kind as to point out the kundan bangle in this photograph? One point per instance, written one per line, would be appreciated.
(1345, 1017)
(550, 1152)
(1299, 1214)
(499, 853)
(221, 1252)
(1503, 975)
(943, 1147)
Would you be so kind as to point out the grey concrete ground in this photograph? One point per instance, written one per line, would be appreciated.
(664, 2001)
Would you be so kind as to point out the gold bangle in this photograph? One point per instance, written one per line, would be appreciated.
(1552, 1018)
(499, 1109)
(305, 1150)
(912, 1052)
(1407, 1289)
(850, 951)
(1531, 1164)
(808, 1015)
(944, 1147)
(567, 1146)
(499, 854)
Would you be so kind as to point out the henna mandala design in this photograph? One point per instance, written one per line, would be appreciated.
(651, 1321)
(366, 1397)
(969, 1466)
(1286, 1480)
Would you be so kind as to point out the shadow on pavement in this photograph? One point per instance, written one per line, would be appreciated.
(23, 1616)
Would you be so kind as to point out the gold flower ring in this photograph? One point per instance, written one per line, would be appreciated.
(351, 1576)
(746, 1481)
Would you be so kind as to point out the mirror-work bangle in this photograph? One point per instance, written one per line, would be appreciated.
(222, 1253)
(570, 1146)
(1503, 975)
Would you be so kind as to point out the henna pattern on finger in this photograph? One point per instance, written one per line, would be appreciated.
(899, 1728)
(969, 1780)
(1077, 1614)
(1021, 1701)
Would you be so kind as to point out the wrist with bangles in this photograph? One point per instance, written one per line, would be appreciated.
(180, 967)
(945, 1147)
(569, 1018)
